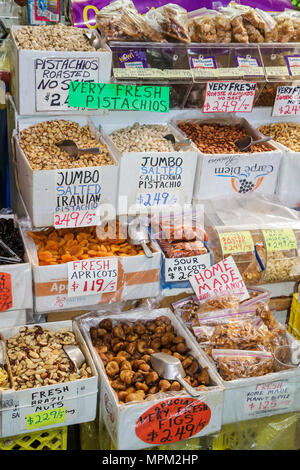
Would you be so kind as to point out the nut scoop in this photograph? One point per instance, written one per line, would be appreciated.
(170, 368)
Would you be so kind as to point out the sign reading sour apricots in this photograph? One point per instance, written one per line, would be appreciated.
(117, 96)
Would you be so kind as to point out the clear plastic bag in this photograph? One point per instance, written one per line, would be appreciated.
(242, 330)
(273, 230)
(190, 308)
(120, 21)
(285, 27)
(202, 27)
(171, 21)
(235, 364)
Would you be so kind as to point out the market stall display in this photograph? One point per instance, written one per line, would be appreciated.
(48, 175)
(101, 222)
(37, 363)
(110, 353)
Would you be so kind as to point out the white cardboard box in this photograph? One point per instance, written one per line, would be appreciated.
(257, 397)
(79, 397)
(40, 79)
(230, 174)
(138, 277)
(127, 423)
(20, 279)
(38, 187)
(151, 180)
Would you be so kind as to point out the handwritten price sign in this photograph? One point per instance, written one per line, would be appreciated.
(5, 292)
(172, 421)
(269, 397)
(287, 101)
(280, 239)
(46, 418)
(229, 97)
(236, 242)
(92, 276)
(76, 219)
(156, 199)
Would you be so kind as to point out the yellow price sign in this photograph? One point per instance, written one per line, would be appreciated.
(280, 239)
(46, 418)
(236, 242)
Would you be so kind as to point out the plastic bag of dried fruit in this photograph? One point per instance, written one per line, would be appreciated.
(233, 364)
(269, 27)
(285, 27)
(271, 251)
(171, 21)
(209, 26)
(295, 17)
(120, 21)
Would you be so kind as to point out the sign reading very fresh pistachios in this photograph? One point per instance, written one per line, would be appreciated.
(118, 96)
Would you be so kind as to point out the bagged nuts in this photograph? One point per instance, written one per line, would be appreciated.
(37, 357)
(234, 364)
(38, 142)
(125, 349)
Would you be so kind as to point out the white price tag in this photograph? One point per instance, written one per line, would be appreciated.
(77, 197)
(229, 97)
(179, 269)
(287, 101)
(53, 76)
(221, 277)
(76, 219)
(267, 398)
(92, 276)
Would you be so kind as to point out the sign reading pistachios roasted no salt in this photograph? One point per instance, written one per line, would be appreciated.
(118, 96)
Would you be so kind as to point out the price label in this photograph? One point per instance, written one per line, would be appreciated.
(287, 101)
(92, 276)
(6, 301)
(229, 97)
(236, 242)
(179, 269)
(172, 420)
(280, 239)
(45, 418)
(76, 219)
(156, 199)
(53, 76)
(293, 64)
(269, 397)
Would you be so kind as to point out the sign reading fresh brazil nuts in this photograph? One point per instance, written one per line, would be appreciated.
(53, 76)
(117, 96)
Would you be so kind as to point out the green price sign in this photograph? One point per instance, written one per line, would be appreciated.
(117, 96)
(46, 418)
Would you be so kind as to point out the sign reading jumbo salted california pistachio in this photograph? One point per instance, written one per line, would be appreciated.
(118, 96)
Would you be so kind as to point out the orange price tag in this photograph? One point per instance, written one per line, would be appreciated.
(5, 292)
(172, 420)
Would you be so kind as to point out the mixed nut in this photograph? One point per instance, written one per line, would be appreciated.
(125, 349)
(37, 357)
(56, 37)
(38, 142)
(286, 133)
